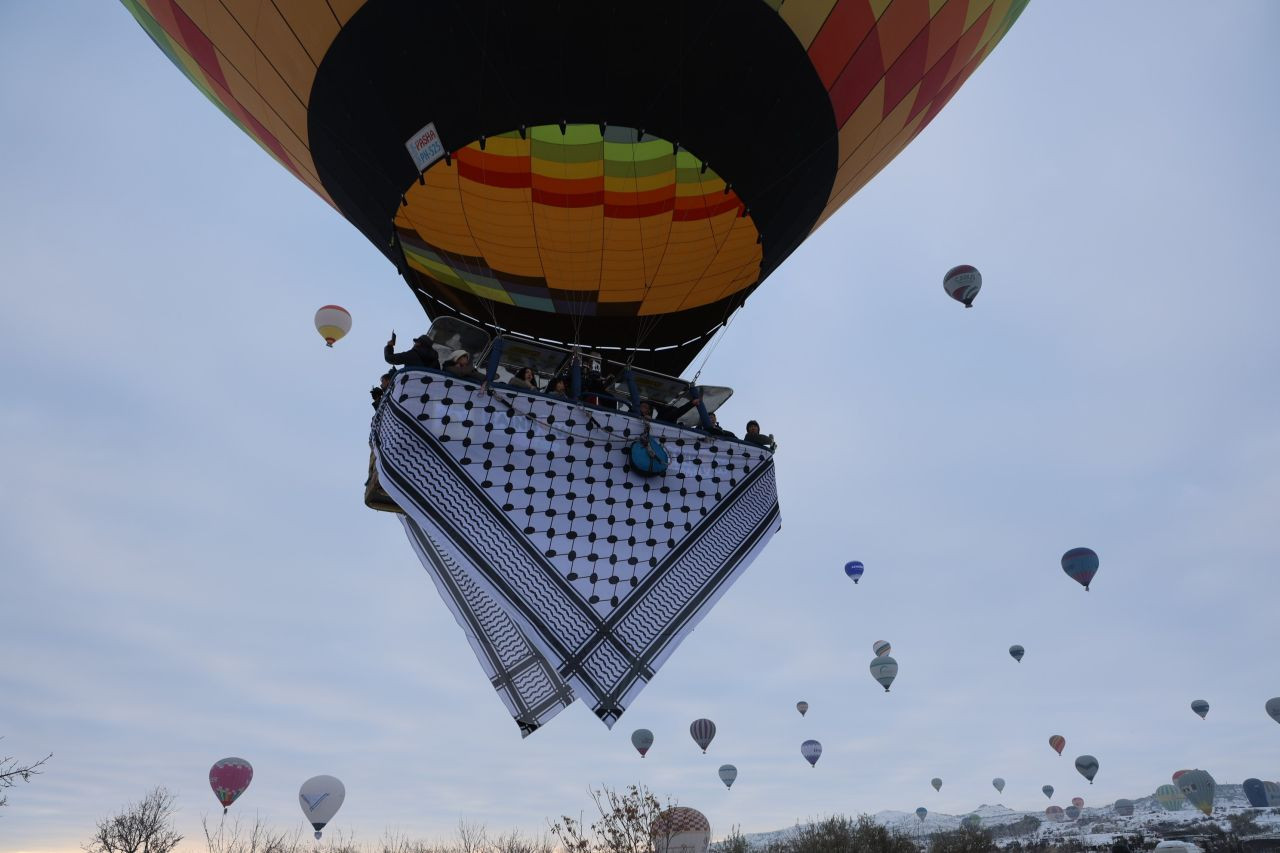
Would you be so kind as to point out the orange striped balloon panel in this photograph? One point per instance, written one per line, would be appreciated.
(581, 222)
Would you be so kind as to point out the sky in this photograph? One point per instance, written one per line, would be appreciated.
(187, 571)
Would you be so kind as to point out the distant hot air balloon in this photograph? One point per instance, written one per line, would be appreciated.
(936, 783)
(802, 707)
(812, 751)
(702, 731)
(1169, 798)
(642, 739)
(881, 647)
(680, 830)
(854, 569)
(1198, 787)
(1072, 812)
(922, 813)
(971, 821)
(728, 773)
(1078, 802)
(1087, 766)
(1201, 707)
(1273, 794)
(1016, 652)
(1124, 808)
(1177, 774)
(333, 322)
(1256, 792)
(962, 284)
(1048, 791)
(884, 669)
(228, 777)
(998, 784)
(320, 798)
(1273, 708)
(1058, 742)
(1054, 813)
(1080, 564)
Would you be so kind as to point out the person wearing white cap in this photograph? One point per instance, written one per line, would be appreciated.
(459, 364)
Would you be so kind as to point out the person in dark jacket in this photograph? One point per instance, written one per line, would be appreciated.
(384, 382)
(422, 354)
(755, 437)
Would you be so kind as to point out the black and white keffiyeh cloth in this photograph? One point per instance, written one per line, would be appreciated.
(569, 573)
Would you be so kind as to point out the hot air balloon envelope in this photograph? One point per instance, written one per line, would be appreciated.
(936, 783)
(728, 773)
(1016, 652)
(1198, 787)
(333, 322)
(1273, 708)
(320, 798)
(884, 669)
(1078, 802)
(702, 731)
(642, 739)
(1087, 766)
(228, 778)
(881, 648)
(1054, 813)
(922, 812)
(680, 830)
(971, 821)
(962, 284)
(802, 707)
(812, 751)
(1072, 812)
(1256, 792)
(854, 570)
(1201, 707)
(1080, 564)
(1124, 808)
(1058, 742)
(998, 784)
(1169, 798)
(1273, 794)
(1047, 790)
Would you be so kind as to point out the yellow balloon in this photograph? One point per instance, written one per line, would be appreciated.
(333, 322)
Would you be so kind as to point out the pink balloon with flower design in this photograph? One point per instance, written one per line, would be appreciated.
(228, 778)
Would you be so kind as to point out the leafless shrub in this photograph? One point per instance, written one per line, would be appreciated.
(142, 827)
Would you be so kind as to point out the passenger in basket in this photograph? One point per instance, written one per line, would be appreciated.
(716, 429)
(557, 388)
(753, 436)
(459, 364)
(423, 354)
(384, 382)
(524, 378)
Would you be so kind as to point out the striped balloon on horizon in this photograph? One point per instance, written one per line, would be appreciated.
(702, 731)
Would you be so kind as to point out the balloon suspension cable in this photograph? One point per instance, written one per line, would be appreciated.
(729, 315)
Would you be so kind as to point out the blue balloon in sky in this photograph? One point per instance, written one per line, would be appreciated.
(1080, 564)
(853, 569)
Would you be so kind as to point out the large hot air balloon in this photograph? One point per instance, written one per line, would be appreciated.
(680, 830)
(1087, 766)
(1273, 708)
(1198, 787)
(1054, 813)
(1201, 707)
(1047, 790)
(962, 284)
(333, 322)
(642, 739)
(1124, 808)
(922, 813)
(1057, 743)
(998, 784)
(1256, 792)
(702, 731)
(853, 570)
(1273, 794)
(936, 783)
(802, 707)
(1072, 812)
(1080, 564)
(320, 798)
(884, 669)
(1078, 802)
(228, 777)
(1169, 798)
(1016, 652)
(1177, 774)
(881, 648)
(812, 751)
(579, 177)
(728, 773)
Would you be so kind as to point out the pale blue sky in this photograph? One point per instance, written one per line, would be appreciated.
(188, 572)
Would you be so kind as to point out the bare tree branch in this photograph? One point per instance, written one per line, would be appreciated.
(12, 772)
(142, 827)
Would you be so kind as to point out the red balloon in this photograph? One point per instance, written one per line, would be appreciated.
(1058, 742)
(1078, 802)
(228, 778)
